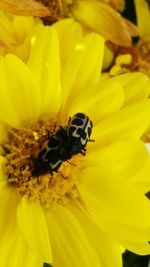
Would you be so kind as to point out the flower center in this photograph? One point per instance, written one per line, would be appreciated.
(133, 59)
(22, 151)
(59, 9)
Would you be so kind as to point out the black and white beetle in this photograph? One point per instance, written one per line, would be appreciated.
(65, 143)
(79, 131)
(48, 159)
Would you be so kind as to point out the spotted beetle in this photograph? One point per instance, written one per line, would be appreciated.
(65, 143)
(75, 136)
(79, 131)
(48, 159)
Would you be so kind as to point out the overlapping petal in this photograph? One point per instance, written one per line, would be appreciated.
(136, 86)
(15, 34)
(9, 199)
(118, 125)
(18, 253)
(7, 34)
(99, 17)
(126, 157)
(141, 178)
(97, 99)
(77, 75)
(71, 31)
(108, 199)
(44, 62)
(71, 247)
(20, 98)
(99, 240)
(35, 232)
(10, 234)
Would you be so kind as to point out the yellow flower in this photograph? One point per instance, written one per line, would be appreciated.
(137, 57)
(94, 15)
(80, 215)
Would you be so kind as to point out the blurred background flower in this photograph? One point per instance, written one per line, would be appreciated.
(94, 15)
(137, 56)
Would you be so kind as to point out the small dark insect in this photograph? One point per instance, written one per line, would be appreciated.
(65, 143)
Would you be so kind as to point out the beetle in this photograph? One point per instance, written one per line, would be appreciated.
(79, 131)
(63, 144)
(75, 136)
(48, 159)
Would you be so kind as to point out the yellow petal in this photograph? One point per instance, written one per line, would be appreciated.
(105, 98)
(7, 110)
(125, 157)
(143, 16)
(116, 206)
(44, 62)
(136, 86)
(130, 122)
(137, 247)
(141, 179)
(19, 95)
(108, 58)
(83, 67)
(23, 26)
(70, 245)
(101, 242)
(69, 30)
(7, 33)
(132, 29)
(24, 8)
(103, 19)
(119, 4)
(17, 253)
(32, 223)
(9, 199)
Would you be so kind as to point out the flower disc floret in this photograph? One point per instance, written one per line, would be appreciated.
(22, 150)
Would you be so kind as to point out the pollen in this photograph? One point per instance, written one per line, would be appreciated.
(22, 149)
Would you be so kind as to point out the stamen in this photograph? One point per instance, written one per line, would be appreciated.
(22, 149)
